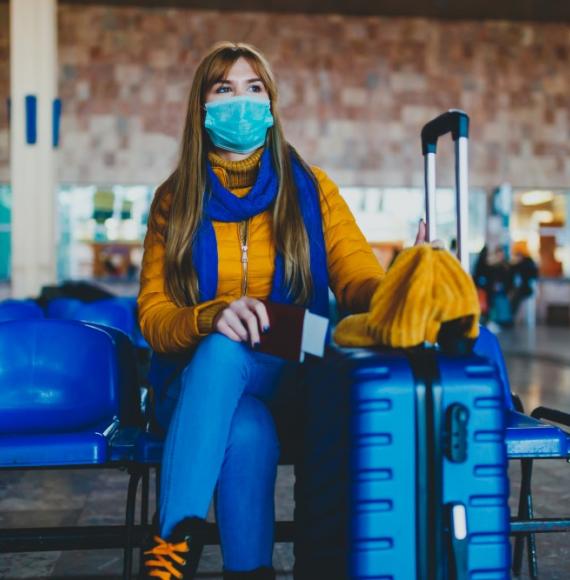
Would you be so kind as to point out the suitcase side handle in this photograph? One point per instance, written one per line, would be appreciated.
(455, 122)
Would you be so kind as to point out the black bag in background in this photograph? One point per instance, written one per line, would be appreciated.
(84, 291)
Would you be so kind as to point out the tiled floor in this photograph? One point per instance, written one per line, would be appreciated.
(70, 497)
(28, 499)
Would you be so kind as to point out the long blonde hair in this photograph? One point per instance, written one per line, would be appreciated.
(187, 184)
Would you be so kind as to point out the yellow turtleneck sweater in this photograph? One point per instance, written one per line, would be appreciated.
(354, 271)
(237, 176)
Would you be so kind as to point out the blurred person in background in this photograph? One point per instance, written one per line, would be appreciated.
(499, 284)
(523, 276)
(492, 277)
(481, 277)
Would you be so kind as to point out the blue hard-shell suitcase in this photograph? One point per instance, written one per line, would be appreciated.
(404, 467)
(404, 472)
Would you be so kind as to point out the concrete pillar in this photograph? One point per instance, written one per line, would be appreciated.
(33, 79)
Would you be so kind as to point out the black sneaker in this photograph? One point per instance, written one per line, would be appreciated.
(176, 557)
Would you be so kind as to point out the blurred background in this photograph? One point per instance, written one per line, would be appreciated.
(357, 80)
(92, 105)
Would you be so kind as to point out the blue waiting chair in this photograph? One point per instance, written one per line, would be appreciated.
(118, 312)
(63, 308)
(67, 427)
(70, 398)
(528, 438)
(109, 312)
(11, 309)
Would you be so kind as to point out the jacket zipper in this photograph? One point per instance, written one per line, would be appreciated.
(243, 234)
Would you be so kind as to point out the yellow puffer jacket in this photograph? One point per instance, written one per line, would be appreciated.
(354, 271)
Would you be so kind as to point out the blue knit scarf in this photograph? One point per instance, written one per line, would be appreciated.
(222, 205)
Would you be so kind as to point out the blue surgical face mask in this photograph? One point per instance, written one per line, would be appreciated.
(238, 124)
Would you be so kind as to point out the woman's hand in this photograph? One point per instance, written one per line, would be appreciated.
(243, 320)
(421, 237)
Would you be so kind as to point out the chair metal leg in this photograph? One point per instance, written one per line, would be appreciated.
(518, 554)
(157, 485)
(526, 513)
(145, 496)
(135, 475)
(520, 539)
(144, 509)
(531, 539)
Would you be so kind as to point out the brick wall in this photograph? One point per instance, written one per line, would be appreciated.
(355, 92)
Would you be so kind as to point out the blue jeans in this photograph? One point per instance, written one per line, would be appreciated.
(221, 437)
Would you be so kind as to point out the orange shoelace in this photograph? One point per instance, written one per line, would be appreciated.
(166, 553)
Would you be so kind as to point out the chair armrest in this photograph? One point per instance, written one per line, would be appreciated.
(145, 400)
(517, 402)
(552, 415)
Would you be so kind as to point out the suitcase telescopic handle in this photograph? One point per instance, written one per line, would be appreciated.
(455, 122)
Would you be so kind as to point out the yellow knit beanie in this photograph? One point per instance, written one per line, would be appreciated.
(425, 288)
